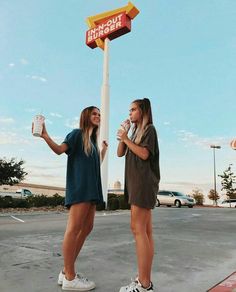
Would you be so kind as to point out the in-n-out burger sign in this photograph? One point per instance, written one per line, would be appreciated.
(110, 24)
(112, 28)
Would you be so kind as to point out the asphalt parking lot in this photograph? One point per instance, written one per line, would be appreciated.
(195, 249)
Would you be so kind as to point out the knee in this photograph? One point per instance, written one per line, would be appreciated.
(134, 228)
(73, 230)
(149, 233)
(88, 228)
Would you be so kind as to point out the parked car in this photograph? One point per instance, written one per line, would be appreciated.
(172, 198)
(21, 193)
(228, 203)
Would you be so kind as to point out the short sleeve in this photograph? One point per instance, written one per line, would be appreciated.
(72, 140)
(149, 139)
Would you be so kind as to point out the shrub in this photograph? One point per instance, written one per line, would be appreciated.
(123, 204)
(6, 202)
(113, 204)
(34, 201)
(40, 201)
(111, 196)
(101, 206)
(20, 203)
(56, 200)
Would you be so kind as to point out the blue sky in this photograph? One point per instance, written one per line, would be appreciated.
(181, 54)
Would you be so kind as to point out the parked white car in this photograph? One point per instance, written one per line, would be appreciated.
(228, 203)
(21, 193)
(172, 198)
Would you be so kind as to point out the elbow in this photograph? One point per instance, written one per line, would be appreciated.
(145, 155)
(119, 154)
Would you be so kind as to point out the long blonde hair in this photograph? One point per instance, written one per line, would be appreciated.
(144, 106)
(85, 126)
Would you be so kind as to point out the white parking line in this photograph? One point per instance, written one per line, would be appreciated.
(112, 214)
(17, 219)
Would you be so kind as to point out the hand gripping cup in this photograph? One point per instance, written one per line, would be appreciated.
(38, 125)
(124, 126)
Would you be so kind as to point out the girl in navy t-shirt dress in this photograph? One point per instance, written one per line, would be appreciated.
(83, 192)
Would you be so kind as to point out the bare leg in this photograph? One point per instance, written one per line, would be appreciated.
(76, 223)
(141, 225)
(88, 227)
(151, 241)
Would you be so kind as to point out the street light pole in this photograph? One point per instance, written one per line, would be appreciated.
(215, 147)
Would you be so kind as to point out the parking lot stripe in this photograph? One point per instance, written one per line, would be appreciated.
(17, 218)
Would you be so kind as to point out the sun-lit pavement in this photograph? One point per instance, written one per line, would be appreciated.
(195, 249)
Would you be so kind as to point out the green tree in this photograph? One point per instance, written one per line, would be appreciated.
(214, 196)
(228, 181)
(11, 171)
(198, 196)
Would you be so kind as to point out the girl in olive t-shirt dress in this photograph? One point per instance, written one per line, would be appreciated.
(142, 176)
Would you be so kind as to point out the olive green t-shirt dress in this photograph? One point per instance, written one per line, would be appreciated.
(142, 177)
(83, 177)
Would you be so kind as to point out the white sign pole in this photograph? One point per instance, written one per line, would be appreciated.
(104, 127)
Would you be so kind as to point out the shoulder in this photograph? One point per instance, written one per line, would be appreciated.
(75, 133)
(150, 129)
(149, 134)
(73, 136)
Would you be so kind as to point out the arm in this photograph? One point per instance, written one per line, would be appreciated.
(104, 150)
(58, 149)
(121, 149)
(141, 152)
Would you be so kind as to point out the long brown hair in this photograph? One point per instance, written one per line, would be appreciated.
(144, 105)
(85, 126)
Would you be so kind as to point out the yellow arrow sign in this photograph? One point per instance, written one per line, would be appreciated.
(92, 21)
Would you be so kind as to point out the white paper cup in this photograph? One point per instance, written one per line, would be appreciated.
(125, 127)
(38, 125)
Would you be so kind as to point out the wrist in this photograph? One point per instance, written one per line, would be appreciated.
(126, 140)
(46, 137)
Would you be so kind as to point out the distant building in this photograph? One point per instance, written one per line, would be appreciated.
(116, 188)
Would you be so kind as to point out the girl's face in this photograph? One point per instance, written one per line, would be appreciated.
(134, 113)
(95, 117)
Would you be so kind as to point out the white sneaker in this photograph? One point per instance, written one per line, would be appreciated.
(60, 278)
(136, 286)
(79, 275)
(79, 283)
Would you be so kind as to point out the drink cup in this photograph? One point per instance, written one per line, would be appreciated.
(124, 126)
(38, 125)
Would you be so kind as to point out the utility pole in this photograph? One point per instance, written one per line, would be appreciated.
(214, 159)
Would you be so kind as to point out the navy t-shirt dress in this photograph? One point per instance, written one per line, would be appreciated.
(83, 178)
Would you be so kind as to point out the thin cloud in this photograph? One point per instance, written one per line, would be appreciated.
(36, 77)
(166, 123)
(72, 123)
(30, 110)
(11, 65)
(7, 138)
(24, 61)
(56, 115)
(32, 175)
(49, 122)
(6, 121)
(36, 168)
(191, 138)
